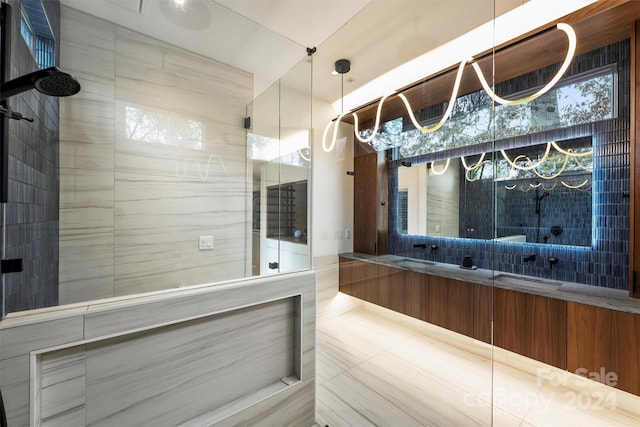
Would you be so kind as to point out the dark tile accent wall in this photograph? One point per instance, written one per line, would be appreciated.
(516, 214)
(32, 212)
(603, 263)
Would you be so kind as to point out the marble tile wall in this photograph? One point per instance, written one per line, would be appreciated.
(238, 353)
(87, 139)
(62, 381)
(137, 189)
(330, 303)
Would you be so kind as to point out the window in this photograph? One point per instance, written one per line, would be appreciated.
(584, 98)
(37, 34)
(162, 127)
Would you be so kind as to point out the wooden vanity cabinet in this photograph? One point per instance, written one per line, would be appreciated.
(601, 339)
(359, 279)
(449, 304)
(531, 325)
(452, 304)
(403, 291)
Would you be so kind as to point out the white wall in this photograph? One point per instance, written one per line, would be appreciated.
(332, 188)
(332, 212)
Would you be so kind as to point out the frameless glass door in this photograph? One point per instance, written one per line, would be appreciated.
(280, 153)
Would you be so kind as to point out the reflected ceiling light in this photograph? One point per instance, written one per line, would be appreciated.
(302, 155)
(571, 36)
(526, 168)
(433, 168)
(535, 185)
(575, 187)
(510, 188)
(571, 153)
(564, 165)
(581, 166)
(472, 167)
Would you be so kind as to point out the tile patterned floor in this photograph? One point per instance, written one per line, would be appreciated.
(376, 368)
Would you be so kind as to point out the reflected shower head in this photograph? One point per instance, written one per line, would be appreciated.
(50, 81)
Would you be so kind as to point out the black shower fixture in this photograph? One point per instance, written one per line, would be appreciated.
(50, 81)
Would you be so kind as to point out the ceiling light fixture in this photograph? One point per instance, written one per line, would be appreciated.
(472, 167)
(523, 19)
(342, 66)
(571, 36)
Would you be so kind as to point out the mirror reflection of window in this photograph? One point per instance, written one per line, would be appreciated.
(443, 194)
(584, 98)
(542, 193)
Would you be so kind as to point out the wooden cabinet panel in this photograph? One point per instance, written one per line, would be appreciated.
(449, 304)
(634, 202)
(458, 306)
(365, 203)
(482, 312)
(602, 338)
(403, 291)
(358, 279)
(531, 325)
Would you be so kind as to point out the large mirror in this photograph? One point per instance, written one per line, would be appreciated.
(542, 194)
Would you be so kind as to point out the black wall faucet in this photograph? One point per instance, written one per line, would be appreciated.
(434, 248)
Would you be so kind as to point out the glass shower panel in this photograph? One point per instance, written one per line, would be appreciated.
(263, 145)
(295, 167)
(279, 149)
(144, 182)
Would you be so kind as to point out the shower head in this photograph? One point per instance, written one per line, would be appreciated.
(50, 81)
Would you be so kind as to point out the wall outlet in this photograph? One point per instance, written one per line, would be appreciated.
(347, 233)
(205, 243)
(324, 235)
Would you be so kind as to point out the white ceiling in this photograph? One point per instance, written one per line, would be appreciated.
(268, 37)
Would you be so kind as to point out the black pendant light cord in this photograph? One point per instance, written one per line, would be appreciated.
(342, 95)
(3, 414)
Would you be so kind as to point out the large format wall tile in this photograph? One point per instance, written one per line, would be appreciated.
(63, 388)
(87, 160)
(14, 382)
(173, 186)
(153, 155)
(198, 366)
(239, 353)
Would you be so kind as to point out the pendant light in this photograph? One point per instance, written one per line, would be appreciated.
(342, 67)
